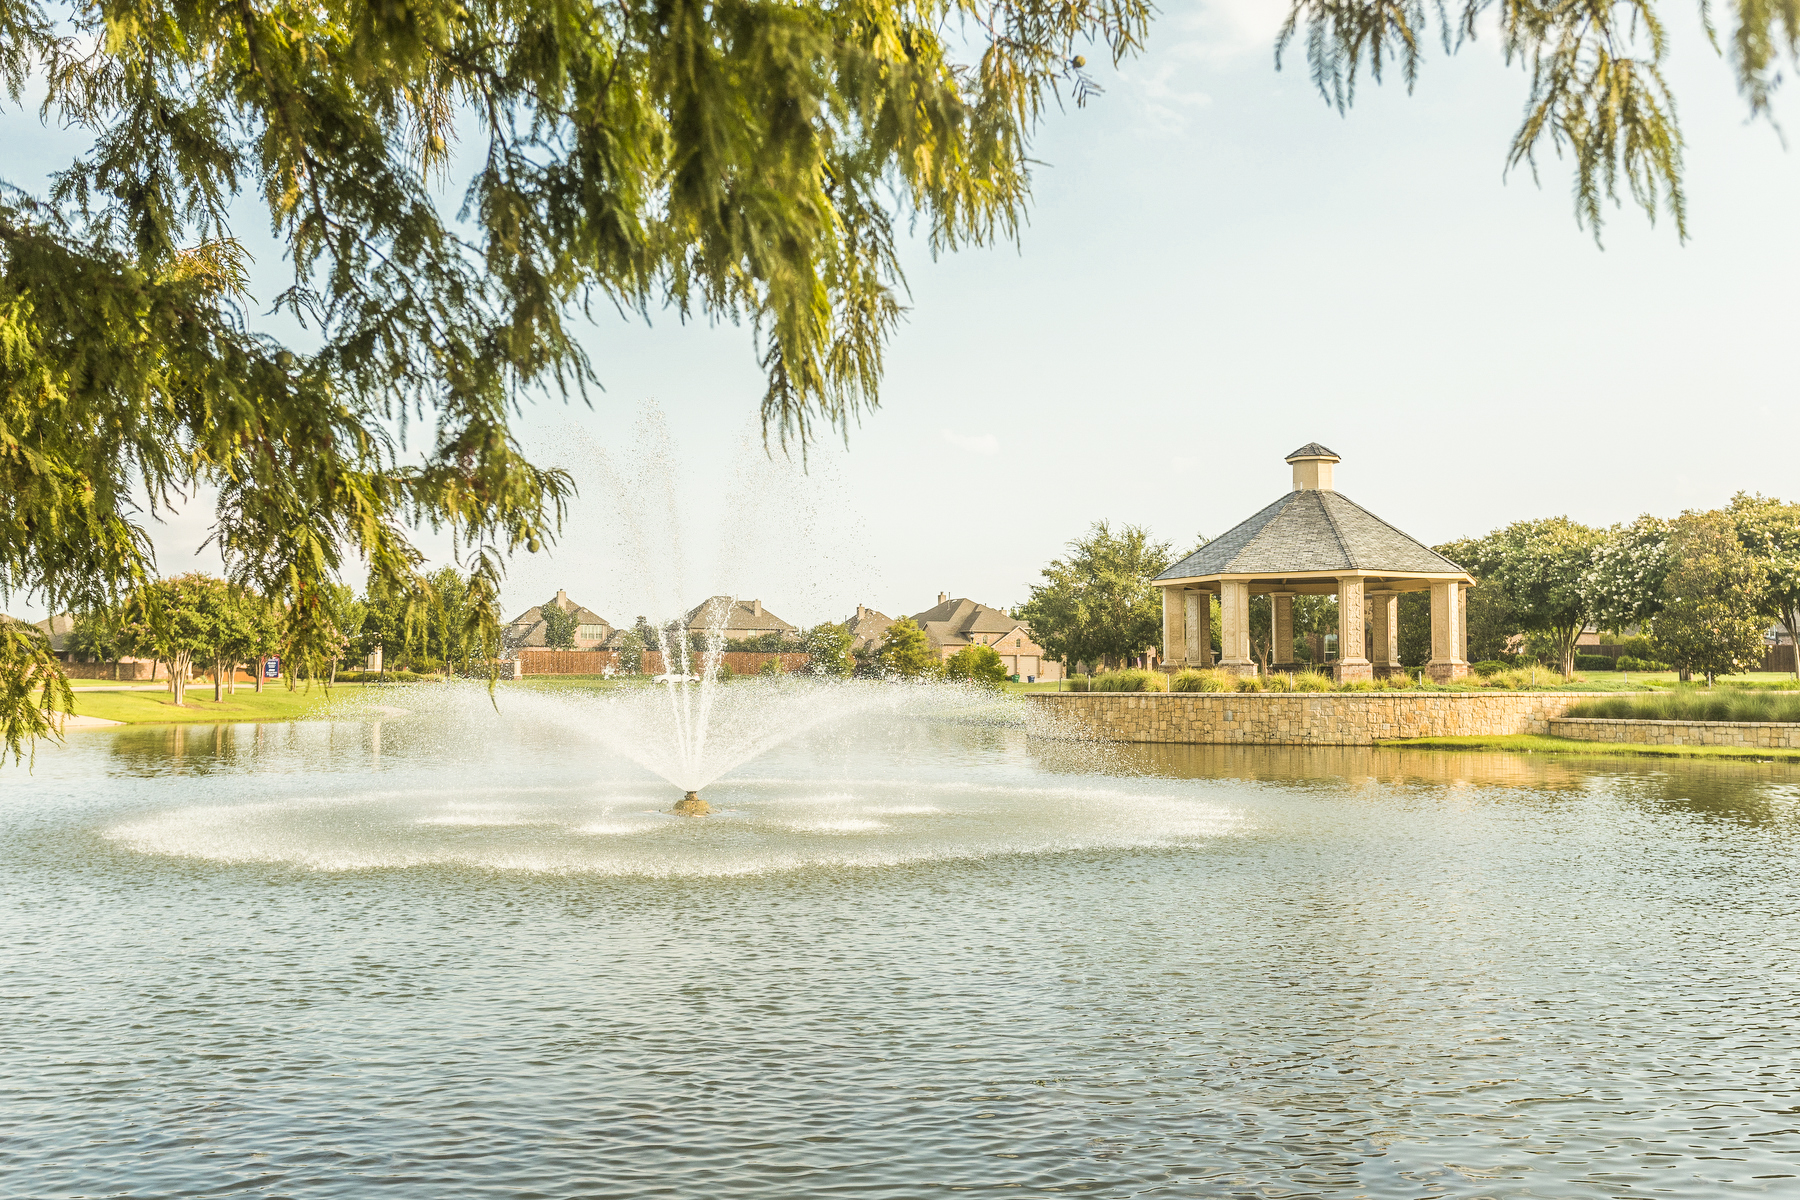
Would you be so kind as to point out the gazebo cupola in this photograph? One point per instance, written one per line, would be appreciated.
(1313, 541)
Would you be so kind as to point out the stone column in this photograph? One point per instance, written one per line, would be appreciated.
(1462, 621)
(1234, 627)
(1281, 632)
(1385, 609)
(1447, 661)
(1174, 647)
(1352, 663)
(1199, 628)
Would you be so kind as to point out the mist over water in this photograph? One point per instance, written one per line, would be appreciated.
(575, 781)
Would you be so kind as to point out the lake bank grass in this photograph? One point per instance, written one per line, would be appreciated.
(273, 704)
(1533, 743)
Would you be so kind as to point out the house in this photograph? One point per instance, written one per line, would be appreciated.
(57, 628)
(953, 624)
(867, 628)
(526, 631)
(736, 619)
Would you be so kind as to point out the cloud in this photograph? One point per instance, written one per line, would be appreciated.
(1187, 46)
(980, 443)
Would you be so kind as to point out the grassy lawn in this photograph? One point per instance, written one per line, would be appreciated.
(1532, 743)
(158, 708)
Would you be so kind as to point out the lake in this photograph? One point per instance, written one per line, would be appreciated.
(421, 957)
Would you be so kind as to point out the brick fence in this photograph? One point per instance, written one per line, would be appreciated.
(1755, 735)
(1305, 718)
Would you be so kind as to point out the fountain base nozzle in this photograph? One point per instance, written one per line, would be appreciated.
(691, 805)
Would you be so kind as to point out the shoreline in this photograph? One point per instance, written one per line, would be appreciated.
(1537, 743)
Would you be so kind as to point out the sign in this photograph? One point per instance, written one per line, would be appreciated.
(271, 668)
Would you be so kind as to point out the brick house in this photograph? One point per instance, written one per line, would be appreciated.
(953, 624)
(526, 631)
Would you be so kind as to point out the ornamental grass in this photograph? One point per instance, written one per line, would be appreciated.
(1130, 681)
(1205, 680)
(1693, 704)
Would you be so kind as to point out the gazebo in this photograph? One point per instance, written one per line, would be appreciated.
(1313, 541)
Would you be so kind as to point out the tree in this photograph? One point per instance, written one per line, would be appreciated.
(176, 621)
(906, 652)
(1597, 87)
(740, 159)
(448, 635)
(1770, 532)
(263, 619)
(96, 635)
(230, 639)
(829, 647)
(32, 687)
(1098, 604)
(560, 626)
(1712, 613)
(1540, 569)
(631, 648)
(978, 664)
(1627, 574)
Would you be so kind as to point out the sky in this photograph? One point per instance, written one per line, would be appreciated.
(1218, 269)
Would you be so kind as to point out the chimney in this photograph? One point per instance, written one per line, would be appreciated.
(1312, 468)
(943, 597)
(562, 598)
(756, 607)
(860, 612)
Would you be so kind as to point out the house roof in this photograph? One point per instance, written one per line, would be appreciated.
(953, 621)
(527, 629)
(731, 615)
(867, 627)
(59, 626)
(1311, 530)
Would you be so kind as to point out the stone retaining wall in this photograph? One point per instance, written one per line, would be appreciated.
(1305, 718)
(1757, 735)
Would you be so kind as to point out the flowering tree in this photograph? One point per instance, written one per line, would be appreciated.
(1629, 567)
(1541, 569)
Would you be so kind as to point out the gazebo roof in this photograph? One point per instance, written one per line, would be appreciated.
(1308, 530)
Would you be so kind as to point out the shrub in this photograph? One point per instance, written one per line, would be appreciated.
(1312, 681)
(1594, 662)
(1251, 683)
(1078, 683)
(724, 671)
(1628, 663)
(1208, 680)
(1131, 681)
(978, 664)
(1491, 667)
(1399, 681)
(771, 667)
